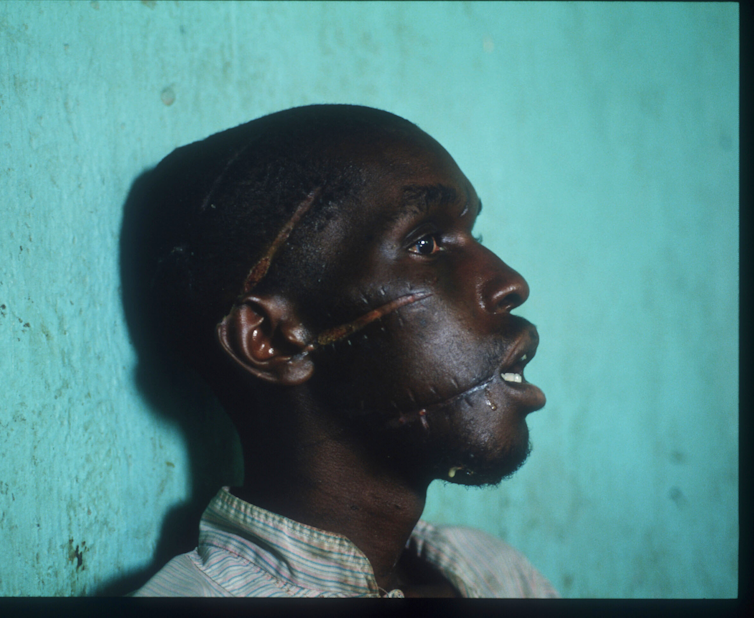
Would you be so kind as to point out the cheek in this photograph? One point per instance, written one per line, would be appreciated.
(417, 355)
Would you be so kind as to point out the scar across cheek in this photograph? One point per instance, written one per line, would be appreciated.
(332, 335)
(344, 331)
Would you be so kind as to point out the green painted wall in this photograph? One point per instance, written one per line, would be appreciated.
(603, 139)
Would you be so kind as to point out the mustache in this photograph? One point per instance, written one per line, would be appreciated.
(516, 332)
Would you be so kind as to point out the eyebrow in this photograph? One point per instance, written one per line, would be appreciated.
(421, 199)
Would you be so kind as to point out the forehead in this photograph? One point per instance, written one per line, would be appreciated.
(405, 182)
(410, 176)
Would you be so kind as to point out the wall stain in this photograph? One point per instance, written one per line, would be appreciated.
(726, 141)
(677, 457)
(676, 495)
(76, 554)
(47, 334)
(168, 96)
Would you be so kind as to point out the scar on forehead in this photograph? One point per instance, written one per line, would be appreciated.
(414, 197)
(338, 333)
(259, 270)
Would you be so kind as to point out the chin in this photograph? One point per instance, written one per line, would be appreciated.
(484, 470)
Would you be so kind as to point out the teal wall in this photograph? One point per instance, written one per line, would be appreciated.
(603, 139)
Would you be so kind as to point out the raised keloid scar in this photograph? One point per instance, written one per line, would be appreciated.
(259, 270)
(421, 414)
(343, 331)
(338, 333)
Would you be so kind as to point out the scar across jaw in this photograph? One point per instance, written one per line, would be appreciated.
(339, 333)
(420, 414)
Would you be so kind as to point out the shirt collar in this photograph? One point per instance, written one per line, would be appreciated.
(293, 553)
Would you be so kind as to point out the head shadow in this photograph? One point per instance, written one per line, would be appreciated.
(172, 393)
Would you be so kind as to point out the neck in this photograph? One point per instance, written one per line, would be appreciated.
(330, 482)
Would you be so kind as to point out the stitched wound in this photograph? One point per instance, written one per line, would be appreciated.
(343, 331)
(259, 270)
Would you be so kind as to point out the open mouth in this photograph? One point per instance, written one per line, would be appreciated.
(510, 371)
(512, 367)
(516, 372)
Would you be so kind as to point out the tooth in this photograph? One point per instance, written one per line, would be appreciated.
(511, 377)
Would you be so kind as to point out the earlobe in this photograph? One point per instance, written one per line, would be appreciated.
(264, 337)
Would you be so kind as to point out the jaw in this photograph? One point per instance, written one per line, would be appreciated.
(426, 398)
(476, 438)
(482, 437)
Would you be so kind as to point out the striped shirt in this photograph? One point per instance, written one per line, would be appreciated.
(250, 552)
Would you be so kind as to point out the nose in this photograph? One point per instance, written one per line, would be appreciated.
(501, 289)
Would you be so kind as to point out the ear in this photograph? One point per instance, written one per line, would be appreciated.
(265, 337)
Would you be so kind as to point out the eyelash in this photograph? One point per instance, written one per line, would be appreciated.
(436, 245)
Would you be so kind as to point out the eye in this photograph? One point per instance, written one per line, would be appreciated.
(426, 245)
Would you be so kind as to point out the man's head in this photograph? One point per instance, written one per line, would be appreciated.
(324, 255)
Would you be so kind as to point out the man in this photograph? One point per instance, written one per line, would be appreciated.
(317, 267)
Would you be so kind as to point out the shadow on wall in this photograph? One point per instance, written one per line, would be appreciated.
(171, 392)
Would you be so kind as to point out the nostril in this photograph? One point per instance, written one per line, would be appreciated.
(505, 295)
(508, 302)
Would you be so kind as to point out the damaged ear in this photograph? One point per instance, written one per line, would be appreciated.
(265, 337)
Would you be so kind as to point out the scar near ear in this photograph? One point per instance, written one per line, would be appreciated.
(332, 335)
(259, 270)
(343, 331)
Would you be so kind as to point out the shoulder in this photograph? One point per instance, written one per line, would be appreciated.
(486, 565)
(473, 542)
(181, 577)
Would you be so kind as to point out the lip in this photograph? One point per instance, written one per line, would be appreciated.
(529, 396)
(526, 396)
(520, 353)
